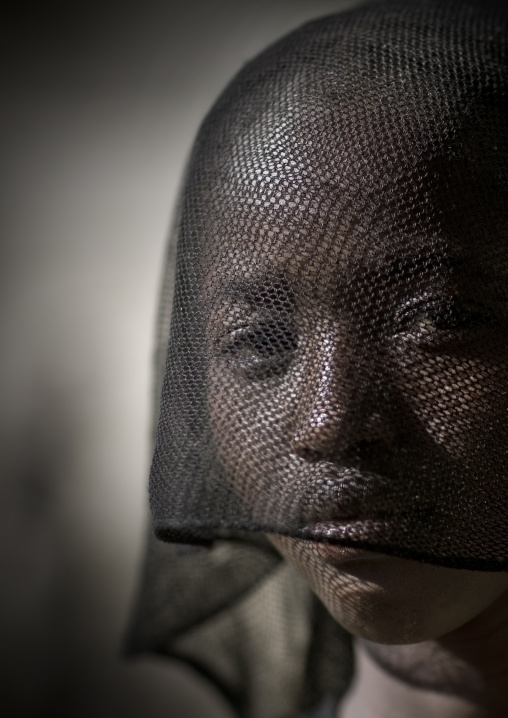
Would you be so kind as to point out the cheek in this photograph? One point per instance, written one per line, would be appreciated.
(461, 403)
(252, 428)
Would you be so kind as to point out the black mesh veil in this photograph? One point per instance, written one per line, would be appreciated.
(338, 353)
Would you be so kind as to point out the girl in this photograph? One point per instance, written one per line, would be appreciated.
(335, 385)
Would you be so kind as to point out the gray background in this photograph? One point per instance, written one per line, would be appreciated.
(100, 105)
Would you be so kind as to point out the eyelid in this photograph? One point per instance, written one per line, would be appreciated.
(267, 329)
(259, 350)
(457, 319)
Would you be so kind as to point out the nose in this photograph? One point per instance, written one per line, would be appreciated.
(340, 413)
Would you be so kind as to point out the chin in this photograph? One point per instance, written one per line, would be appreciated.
(383, 622)
(372, 612)
(391, 600)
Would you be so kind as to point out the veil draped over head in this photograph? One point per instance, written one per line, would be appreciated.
(337, 361)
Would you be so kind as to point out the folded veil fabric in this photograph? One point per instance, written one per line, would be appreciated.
(337, 360)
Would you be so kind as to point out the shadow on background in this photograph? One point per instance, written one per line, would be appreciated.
(100, 105)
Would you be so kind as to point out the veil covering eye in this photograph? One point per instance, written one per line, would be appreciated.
(337, 361)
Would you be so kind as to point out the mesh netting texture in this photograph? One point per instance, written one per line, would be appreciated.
(337, 361)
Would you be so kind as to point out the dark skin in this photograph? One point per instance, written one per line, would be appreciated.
(326, 349)
(435, 640)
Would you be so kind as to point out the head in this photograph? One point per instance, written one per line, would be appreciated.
(346, 218)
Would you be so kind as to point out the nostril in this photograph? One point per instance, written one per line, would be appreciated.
(306, 452)
(379, 431)
(368, 449)
(315, 441)
(372, 455)
(313, 448)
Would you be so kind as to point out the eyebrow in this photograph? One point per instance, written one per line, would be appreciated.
(255, 290)
(431, 260)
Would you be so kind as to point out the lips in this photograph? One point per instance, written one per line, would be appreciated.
(345, 504)
(339, 554)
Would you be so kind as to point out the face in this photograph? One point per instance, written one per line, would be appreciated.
(391, 600)
(356, 385)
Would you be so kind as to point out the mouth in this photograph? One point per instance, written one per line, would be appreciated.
(352, 528)
(341, 536)
(338, 554)
(346, 503)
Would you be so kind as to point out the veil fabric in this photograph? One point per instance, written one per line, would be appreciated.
(335, 368)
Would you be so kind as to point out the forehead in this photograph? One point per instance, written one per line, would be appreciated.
(289, 199)
(317, 194)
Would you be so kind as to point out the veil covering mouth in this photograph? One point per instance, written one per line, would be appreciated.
(336, 354)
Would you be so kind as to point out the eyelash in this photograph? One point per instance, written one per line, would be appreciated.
(432, 322)
(264, 349)
(260, 350)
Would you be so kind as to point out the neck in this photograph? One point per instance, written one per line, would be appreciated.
(463, 674)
